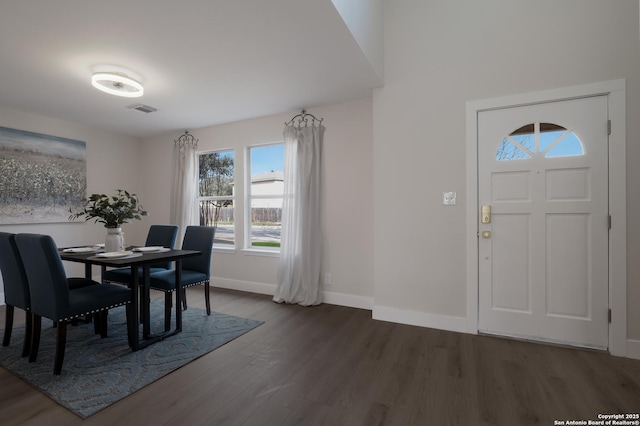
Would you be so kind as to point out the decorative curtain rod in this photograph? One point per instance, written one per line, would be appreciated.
(186, 139)
(304, 116)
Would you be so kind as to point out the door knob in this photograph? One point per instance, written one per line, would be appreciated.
(486, 234)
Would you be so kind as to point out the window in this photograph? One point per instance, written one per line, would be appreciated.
(265, 189)
(216, 194)
(548, 139)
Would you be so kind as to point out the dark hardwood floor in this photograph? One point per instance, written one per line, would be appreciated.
(331, 365)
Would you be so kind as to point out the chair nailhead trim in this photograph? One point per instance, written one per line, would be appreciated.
(184, 286)
(93, 312)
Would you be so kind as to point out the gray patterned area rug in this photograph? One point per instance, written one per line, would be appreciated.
(98, 372)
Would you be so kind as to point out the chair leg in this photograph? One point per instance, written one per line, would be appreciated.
(8, 325)
(207, 300)
(96, 323)
(168, 302)
(35, 338)
(184, 299)
(28, 331)
(104, 316)
(61, 343)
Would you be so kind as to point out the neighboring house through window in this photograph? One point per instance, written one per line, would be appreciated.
(264, 196)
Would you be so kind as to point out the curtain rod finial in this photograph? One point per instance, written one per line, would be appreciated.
(304, 117)
(187, 138)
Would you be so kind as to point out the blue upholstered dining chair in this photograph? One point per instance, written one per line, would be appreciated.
(16, 289)
(195, 270)
(52, 298)
(158, 235)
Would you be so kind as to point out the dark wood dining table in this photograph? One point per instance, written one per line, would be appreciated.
(142, 260)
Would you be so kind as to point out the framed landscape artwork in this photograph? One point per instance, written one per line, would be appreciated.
(42, 177)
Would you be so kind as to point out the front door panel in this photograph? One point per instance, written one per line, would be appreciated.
(543, 257)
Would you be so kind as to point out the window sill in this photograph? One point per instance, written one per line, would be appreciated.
(258, 252)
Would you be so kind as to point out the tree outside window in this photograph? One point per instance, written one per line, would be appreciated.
(216, 194)
(539, 139)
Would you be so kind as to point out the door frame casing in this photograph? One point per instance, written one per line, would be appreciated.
(615, 90)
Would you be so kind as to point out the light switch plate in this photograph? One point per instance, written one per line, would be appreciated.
(449, 198)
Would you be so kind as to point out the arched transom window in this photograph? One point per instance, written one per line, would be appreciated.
(539, 139)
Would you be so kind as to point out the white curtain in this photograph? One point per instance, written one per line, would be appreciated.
(301, 245)
(183, 194)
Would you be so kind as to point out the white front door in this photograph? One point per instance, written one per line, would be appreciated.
(543, 253)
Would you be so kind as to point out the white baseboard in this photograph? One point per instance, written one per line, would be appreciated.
(421, 319)
(350, 300)
(248, 286)
(633, 349)
(331, 298)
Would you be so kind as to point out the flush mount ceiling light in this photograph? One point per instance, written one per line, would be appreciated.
(118, 84)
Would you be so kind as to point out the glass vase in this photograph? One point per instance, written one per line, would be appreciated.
(114, 240)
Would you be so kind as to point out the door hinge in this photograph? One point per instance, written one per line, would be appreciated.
(609, 221)
(608, 127)
(609, 315)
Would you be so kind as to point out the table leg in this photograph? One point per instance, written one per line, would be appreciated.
(134, 323)
(178, 306)
(146, 303)
(88, 318)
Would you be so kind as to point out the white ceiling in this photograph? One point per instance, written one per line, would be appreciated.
(202, 62)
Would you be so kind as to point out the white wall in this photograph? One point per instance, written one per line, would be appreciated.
(347, 198)
(439, 55)
(111, 164)
(365, 22)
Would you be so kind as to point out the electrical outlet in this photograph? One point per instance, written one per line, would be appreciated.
(327, 278)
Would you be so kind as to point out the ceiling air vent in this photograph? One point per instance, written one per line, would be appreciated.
(143, 108)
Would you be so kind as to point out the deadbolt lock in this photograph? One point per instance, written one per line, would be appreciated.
(485, 216)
